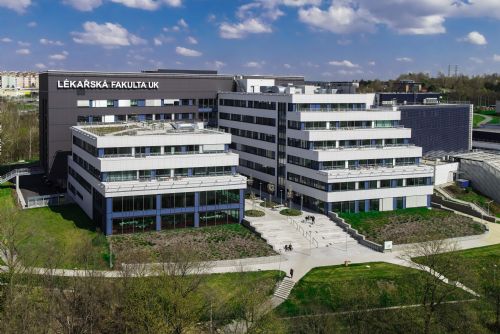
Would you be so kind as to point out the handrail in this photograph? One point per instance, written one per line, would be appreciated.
(15, 172)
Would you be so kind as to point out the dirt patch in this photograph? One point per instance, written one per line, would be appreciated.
(208, 243)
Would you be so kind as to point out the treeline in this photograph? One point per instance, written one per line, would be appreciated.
(481, 90)
(18, 132)
(181, 298)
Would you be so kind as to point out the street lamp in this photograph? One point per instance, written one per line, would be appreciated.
(252, 197)
(281, 196)
(301, 201)
(260, 191)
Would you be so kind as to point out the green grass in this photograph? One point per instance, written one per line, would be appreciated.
(358, 286)
(291, 212)
(469, 195)
(480, 263)
(476, 120)
(268, 204)
(495, 120)
(61, 236)
(411, 225)
(254, 213)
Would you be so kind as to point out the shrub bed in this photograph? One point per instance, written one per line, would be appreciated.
(254, 213)
(291, 212)
(268, 204)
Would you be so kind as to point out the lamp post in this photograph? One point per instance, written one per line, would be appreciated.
(260, 191)
(289, 195)
(281, 196)
(301, 201)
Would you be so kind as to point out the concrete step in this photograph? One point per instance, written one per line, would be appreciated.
(284, 288)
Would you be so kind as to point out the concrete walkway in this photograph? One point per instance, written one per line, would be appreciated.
(279, 230)
(485, 121)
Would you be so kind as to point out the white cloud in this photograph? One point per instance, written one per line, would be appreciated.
(341, 17)
(344, 41)
(187, 52)
(254, 64)
(343, 63)
(353, 72)
(162, 39)
(108, 35)
(182, 24)
(5, 40)
(496, 57)
(46, 41)
(19, 6)
(371, 63)
(40, 66)
(474, 37)
(217, 64)
(287, 66)
(24, 44)
(149, 4)
(32, 24)
(23, 52)
(476, 60)
(242, 29)
(404, 59)
(192, 40)
(83, 5)
(59, 56)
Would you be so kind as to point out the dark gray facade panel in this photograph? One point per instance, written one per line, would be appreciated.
(438, 129)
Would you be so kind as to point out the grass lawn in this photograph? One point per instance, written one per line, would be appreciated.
(480, 263)
(469, 195)
(61, 236)
(411, 225)
(221, 242)
(477, 119)
(358, 286)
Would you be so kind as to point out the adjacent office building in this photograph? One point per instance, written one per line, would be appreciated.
(331, 152)
(138, 176)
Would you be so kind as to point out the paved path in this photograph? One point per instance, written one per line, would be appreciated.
(301, 260)
(302, 234)
(485, 121)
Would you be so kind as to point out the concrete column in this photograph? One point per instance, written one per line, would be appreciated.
(158, 214)
(17, 183)
(196, 209)
(242, 204)
(109, 219)
(346, 164)
(328, 125)
(162, 150)
(337, 143)
(356, 206)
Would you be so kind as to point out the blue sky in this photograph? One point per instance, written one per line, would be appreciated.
(321, 39)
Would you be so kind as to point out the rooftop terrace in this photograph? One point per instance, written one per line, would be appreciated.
(145, 129)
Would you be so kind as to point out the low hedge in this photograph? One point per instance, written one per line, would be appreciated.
(254, 213)
(291, 212)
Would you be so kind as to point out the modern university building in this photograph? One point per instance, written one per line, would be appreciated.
(331, 152)
(137, 150)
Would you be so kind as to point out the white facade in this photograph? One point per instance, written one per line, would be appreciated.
(333, 151)
(139, 160)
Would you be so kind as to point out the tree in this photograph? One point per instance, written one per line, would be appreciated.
(441, 283)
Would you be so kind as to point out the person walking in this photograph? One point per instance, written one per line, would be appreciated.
(291, 272)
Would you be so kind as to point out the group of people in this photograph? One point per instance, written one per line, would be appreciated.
(288, 247)
(311, 218)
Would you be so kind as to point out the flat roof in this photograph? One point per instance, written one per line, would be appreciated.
(491, 159)
(145, 129)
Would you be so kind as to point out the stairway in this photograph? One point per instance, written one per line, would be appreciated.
(284, 288)
(12, 174)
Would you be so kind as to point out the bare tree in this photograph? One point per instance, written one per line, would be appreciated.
(441, 283)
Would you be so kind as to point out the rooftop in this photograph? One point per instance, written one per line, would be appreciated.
(491, 159)
(145, 129)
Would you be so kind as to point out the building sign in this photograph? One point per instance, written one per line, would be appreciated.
(104, 84)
